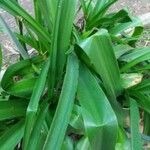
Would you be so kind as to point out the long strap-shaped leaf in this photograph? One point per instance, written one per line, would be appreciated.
(65, 105)
(99, 118)
(20, 48)
(65, 29)
(12, 137)
(13, 8)
(53, 55)
(34, 102)
(135, 57)
(36, 133)
(61, 39)
(97, 10)
(48, 9)
(100, 51)
(136, 143)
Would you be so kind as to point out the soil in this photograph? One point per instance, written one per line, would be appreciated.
(137, 7)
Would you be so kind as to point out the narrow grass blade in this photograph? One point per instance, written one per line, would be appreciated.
(143, 87)
(34, 102)
(64, 108)
(96, 10)
(142, 100)
(53, 55)
(136, 143)
(13, 8)
(20, 48)
(12, 136)
(135, 53)
(146, 123)
(37, 129)
(48, 9)
(65, 30)
(31, 41)
(121, 27)
(61, 39)
(106, 21)
(134, 57)
(99, 118)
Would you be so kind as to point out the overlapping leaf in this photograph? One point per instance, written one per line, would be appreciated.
(100, 51)
(65, 106)
(98, 115)
(13, 8)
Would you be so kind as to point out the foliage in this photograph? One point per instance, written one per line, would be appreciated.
(85, 81)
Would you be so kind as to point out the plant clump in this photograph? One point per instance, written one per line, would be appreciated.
(86, 87)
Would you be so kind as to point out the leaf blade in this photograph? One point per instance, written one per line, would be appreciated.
(97, 121)
(65, 105)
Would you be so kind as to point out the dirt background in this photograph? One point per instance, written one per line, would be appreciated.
(136, 7)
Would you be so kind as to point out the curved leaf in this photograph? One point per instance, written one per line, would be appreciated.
(100, 51)
(99, 118)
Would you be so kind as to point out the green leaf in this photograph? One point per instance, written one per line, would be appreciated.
(13, 8)
(37, 129)
(34, 102)
(135, 53)
(12, 136)
(142, 100)
(12, 108)
(21, 77)
(31, 41)
(47, 8)
(96, 9)
(61, 40)
(136, 56)
(101, 126)
(76, 120)
(122, 27)
(143, 87)
(123, 142)
(121, 49)
(100, 51)
(109, 20)
(83, 144)
(136, 143)
(146, 119)
(65, 106)
(21, 50)
(67, 144)
(64, 33)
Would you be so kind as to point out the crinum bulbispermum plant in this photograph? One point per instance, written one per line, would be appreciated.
(85, 81)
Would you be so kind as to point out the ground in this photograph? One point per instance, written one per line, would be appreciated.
(137, 7)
